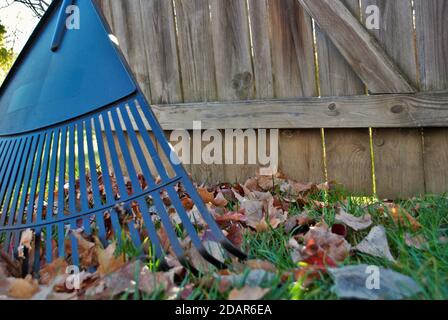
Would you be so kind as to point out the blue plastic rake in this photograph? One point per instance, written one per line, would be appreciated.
(69, 115)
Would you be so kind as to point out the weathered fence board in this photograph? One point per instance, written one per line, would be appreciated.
(347, 151)
(395, 147)
(300, 152)
(432, 44)
(253, 64)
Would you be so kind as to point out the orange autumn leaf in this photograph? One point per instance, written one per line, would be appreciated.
(206, 196)
(403, 218)
(187, 203)
(108, 263)
(23, 288)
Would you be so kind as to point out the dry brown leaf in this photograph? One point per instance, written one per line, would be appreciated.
(335, 246)
(375, 244)
(220, 200)
(187, 203)
(206, 196)
(23, 288)
(248, 293)
(86, 249)
(49, 272)
(108, 263)
(418, 241)
(261, 264)
(356, 223)
(403, 218)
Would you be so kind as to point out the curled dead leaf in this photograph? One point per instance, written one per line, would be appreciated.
(403, 218)
(356, 223)
(108, 263)
(23, 288)
(248, 293)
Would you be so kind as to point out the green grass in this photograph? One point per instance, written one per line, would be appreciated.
(428, 267)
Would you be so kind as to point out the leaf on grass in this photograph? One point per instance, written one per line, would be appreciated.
(49, 272)
(333, 245)
(261, 265)
(418, 241)
(375, 244)
(235, 234)
(87, 250)
(206, 196)
(187, 203)
(107, 261)
(220, 200)
(131, 277)
(23, 288)
(248, 293)
(356, 223)
(253, 278)
(403, 218)
(351, 282)
(299, 220)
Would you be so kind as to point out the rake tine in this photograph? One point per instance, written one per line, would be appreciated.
(72, 192)
(26, 185)
(158, 132)
(192, 231)
(95, 189)
(9, 172)
(22, 173)
(40, 202)
(174, 241)
(211, 222)
(148, 142)
(82, 175)
(152, 232)
(135, 236)
(50, 206)
(61, 191)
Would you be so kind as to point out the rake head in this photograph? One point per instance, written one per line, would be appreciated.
(80, 156)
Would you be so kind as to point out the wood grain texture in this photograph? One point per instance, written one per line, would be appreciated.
(347, 150)
(234, 72)
(161, 51)
(402, 149)
(196, 50)
(127, 22)
(432, 44)
(292, 50)
(367, 58)
(300, 151)
(231, 43)
(380, 111)
(262, 59)
(197, 69)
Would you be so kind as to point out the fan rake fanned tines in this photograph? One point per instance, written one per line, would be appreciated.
(74, 177)
(83, 155)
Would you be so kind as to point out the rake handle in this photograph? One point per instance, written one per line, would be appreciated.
(60, 26)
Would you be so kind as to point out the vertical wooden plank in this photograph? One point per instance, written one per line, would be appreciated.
(300, 151)
(347, 150)
(127, 22)
(292, 50)
(198, 75)
(259, 16)
(398, 153)
(233, 62)
(432, 44)
(196, 50)
(159, 38)
(234, 74)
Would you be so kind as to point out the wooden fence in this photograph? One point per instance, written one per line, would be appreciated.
(366, 108)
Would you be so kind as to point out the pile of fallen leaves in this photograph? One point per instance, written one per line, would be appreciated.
(260, 205)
